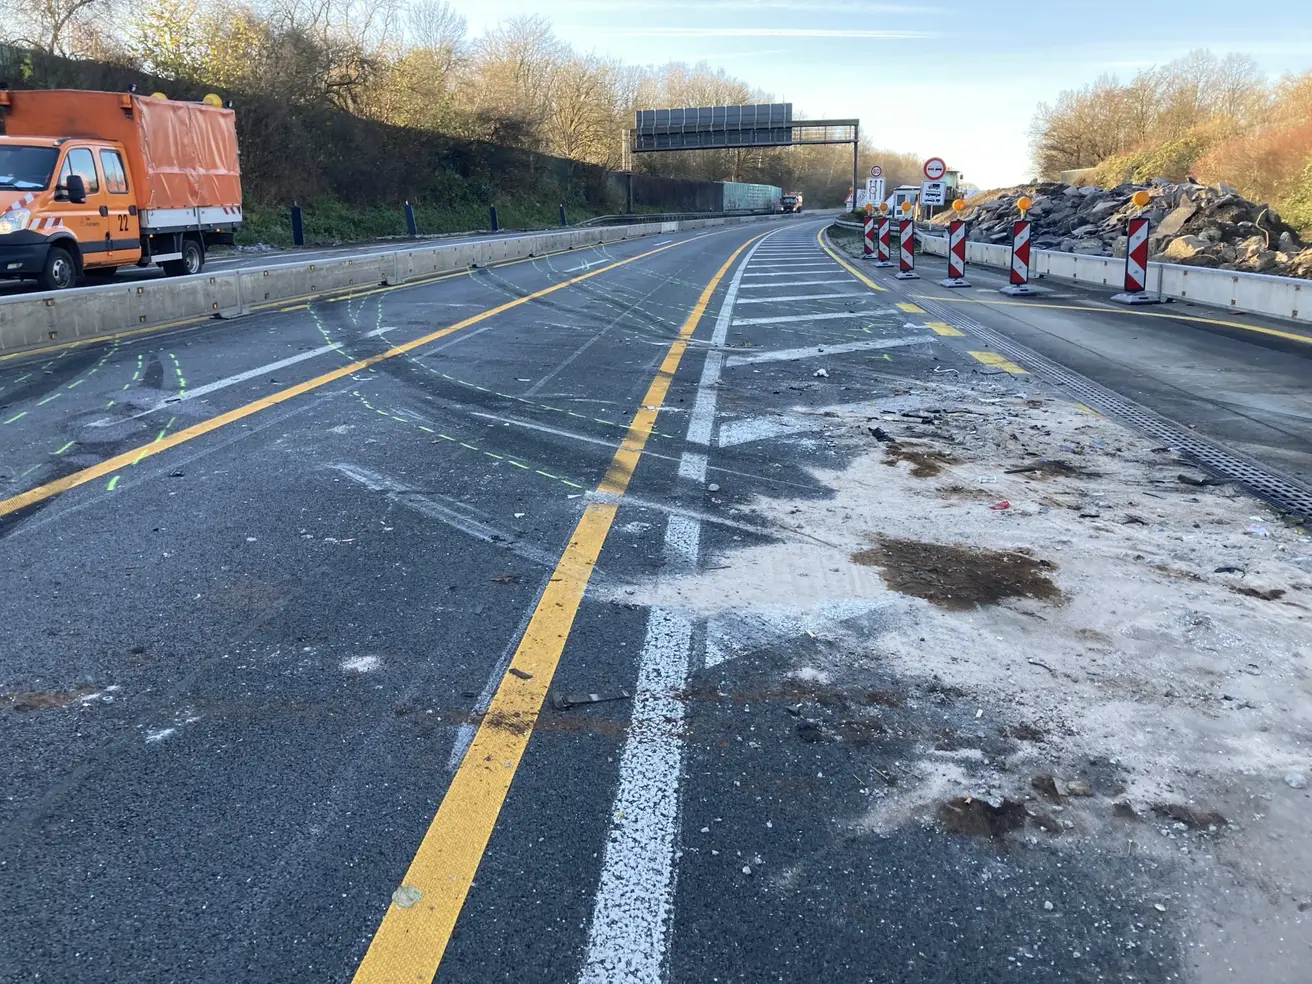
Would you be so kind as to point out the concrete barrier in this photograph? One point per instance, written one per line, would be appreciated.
(32, 320)
(1250, 293)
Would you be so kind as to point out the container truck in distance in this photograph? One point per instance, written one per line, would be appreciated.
(94, 181)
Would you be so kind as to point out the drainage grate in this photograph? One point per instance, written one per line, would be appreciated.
(1272, 486)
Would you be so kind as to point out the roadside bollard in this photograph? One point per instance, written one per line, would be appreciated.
(298, 226)
(868, 237)
(883, 244)
(411, 227)
(906, 257)
(1136, 258)
(492, 215)
(1019, 279)
(956, 250)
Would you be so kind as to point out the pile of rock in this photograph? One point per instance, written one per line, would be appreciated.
(1189, 223)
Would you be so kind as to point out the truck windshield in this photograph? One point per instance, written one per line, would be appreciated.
(26, 168)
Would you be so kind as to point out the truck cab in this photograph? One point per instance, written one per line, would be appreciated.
(125, 193)
(66, 208)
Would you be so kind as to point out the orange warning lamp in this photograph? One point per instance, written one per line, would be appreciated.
(1140, 198)
(870, 209)
(1023, 203)
(906, 207)
(958, 204)
(883, 208)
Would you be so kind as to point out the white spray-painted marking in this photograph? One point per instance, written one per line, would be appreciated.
(814, 351)
(361, 664)
(631, 913)
(160, 734)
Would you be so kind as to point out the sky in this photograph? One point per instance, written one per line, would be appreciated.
(957, 79)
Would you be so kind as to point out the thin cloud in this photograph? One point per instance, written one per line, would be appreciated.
(759, 32)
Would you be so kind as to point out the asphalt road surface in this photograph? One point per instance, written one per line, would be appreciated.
(323, 665)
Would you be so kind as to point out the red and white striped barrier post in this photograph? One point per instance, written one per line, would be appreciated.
(906, 256)
(1019, 284)
(1136, 258)
(956, 250)
(883, 242)
(868, 238)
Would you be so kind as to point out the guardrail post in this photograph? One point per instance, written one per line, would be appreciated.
(298, 226)
(492, 215)
(906, 257)
(411, 227)
(562, 215)
(956, 255)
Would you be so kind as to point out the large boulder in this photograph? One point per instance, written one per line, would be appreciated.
(1174, 222)
(1183, 248)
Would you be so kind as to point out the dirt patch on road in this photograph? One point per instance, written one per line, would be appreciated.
(958, 577)
(41, 700)
(925, 462)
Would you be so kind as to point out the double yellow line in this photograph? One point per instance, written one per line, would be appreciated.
(417, 926)
(110, 465)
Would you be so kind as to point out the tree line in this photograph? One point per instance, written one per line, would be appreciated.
(413, 63)
(1209, 117)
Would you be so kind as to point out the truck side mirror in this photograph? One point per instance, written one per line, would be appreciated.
(77, 189)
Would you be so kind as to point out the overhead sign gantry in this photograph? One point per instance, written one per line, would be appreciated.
(736, 128)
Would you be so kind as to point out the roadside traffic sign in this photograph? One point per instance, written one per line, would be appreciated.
(876, 171)
(933, 192)
(935, 168)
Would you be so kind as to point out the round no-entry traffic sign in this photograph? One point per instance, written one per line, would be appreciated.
(935, 168)
(876, 170)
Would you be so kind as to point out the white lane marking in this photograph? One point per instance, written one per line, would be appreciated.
(735, 432)
(801, 283)
(683, 537)
(626, 941)
(786, 273)
(790, 318)
(692, 466)
(224, 383)
(703, 409)
(585, 266)
(796, 264)
(635, 897)
(805, 297)
(788, 355)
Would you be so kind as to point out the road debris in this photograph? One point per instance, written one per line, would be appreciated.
(563, 702)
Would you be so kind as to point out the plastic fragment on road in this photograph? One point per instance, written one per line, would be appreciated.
(563, 702)
(997, 506)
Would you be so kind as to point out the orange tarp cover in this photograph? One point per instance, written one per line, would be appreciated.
(180, 154)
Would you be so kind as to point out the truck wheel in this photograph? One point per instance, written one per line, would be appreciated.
(193, 260)
(60, 271)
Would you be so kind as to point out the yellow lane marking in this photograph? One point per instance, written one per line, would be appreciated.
(942, 328)
(1274, 332)
(417, 926)
(999, 362)
(824, 245)
(42, 492)
(910, 308)
(1086, 409)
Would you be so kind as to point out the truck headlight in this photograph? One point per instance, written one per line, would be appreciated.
(15, 220)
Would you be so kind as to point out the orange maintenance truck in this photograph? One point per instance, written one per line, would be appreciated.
(94, 181)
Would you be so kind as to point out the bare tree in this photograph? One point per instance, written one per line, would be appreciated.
(61, 27)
